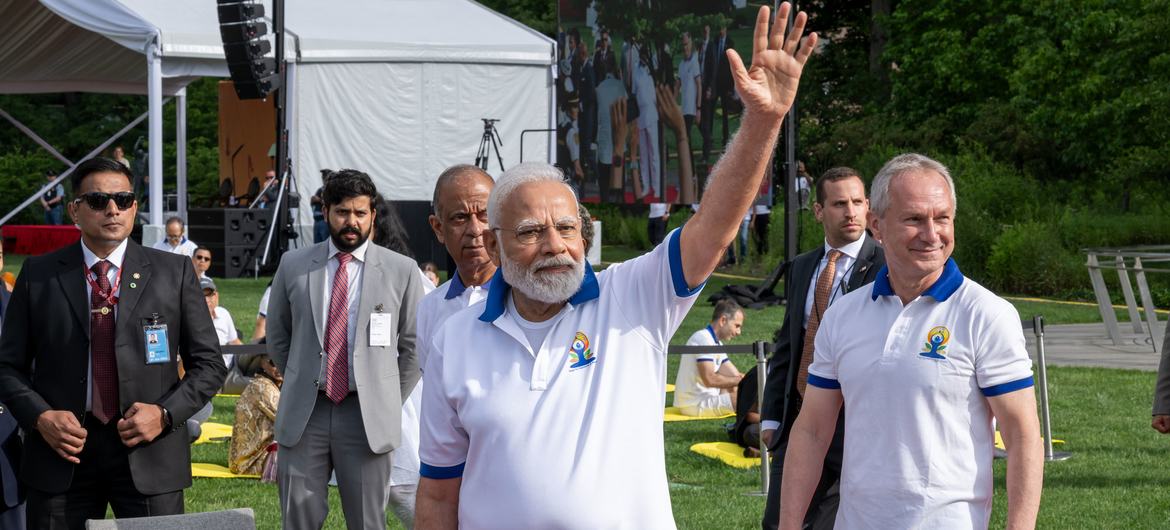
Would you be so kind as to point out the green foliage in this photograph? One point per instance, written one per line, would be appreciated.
(1024, 260)
(21, 174)
(540, 15)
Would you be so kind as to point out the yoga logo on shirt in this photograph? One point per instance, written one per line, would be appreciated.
(936, 343)
(580, 355)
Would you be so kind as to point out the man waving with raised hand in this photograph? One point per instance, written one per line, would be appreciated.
(554, 383)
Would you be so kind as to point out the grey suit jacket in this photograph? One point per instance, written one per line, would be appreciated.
(296, 333)
(1162, 387)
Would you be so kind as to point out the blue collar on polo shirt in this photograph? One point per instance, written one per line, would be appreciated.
(714, 337)
(943, 288)
(497, 298)
(456, 288)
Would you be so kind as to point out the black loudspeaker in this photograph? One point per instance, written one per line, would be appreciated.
(242, 30)
(234, 236)
(231, 261)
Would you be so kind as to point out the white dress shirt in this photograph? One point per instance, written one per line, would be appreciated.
(840, 277)
(115, 258)
(354, 271)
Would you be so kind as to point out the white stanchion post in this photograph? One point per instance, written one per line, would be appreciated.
(761, 349)
(1045, 418)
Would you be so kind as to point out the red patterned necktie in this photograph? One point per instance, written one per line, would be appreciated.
(104, 402)
(821, 298)
(337, 333)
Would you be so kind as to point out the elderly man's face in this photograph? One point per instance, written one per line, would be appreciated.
(541, 249)
(917, 230)
(462, 220)
(174, 233)
(842, 211)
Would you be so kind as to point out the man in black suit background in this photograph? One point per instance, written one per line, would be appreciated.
(11, 494)
(103, 409)
(848, 259)
(717, 85)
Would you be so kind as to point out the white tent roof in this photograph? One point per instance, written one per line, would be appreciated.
(98, 45)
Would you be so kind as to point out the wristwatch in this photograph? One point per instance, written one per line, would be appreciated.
(168, 422)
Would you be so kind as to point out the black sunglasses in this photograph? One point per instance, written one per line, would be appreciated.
(98, 200)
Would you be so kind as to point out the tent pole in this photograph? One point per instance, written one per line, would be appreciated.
(33, 136)
(181, 152)
(152, 233)
(65, 174)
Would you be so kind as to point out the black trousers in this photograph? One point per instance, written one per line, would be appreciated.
(102, 478)
(656, 229)
(603, 183)
(761, 230)
(822, 510)
(707, 125)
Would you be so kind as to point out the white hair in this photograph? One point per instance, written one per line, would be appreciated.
(879, 193)
(512, 179)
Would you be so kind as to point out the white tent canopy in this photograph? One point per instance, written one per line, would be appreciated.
(392, 87)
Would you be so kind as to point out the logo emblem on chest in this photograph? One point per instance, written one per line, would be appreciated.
(580, 355)
(936, 343)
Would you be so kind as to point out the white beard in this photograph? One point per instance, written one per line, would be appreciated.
(545, 287)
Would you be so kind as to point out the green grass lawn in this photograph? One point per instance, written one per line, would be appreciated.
(1116, 478)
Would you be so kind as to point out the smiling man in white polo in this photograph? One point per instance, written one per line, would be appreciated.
(923, 359)
(543, 406)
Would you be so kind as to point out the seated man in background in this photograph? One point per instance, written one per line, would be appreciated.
(201, 259)
(225, 330)
(706, 382)
(175, 242)
(252, 433)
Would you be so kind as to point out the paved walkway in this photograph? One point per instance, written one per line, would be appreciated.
(1089, 345)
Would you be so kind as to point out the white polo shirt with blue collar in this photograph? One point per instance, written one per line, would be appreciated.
(567, 435)
(689, 390)
(915, 379)
(439, 303)
(436, 307)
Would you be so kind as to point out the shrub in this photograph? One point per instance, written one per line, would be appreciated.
(1026, 259)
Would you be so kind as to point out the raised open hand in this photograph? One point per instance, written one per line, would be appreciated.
(668, 109)
(769, 86)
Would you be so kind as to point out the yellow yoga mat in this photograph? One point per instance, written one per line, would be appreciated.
(673, 414)
(726, 452)
(205, 470)
(999, 442)
(214, 433)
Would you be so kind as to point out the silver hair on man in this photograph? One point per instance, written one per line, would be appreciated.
(534, 281)
(879, 193)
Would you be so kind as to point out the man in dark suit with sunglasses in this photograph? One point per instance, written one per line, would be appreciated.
(848, 259)
(93, 338)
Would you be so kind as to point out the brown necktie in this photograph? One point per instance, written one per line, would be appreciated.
(104, 399)
(821, 298)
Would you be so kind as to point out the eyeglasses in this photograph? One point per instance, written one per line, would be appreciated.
(202, 258)
(98, 200)
(528, 235)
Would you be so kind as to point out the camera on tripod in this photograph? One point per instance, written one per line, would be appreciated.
(489, 140)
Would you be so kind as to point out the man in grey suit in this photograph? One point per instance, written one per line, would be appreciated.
(341, 327)
(1161, 421)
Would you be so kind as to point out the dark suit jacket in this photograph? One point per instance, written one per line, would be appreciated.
(10, 444)
(781, 399)
(716, 69)
(47, 323)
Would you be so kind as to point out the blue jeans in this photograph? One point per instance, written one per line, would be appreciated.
(53, 215)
